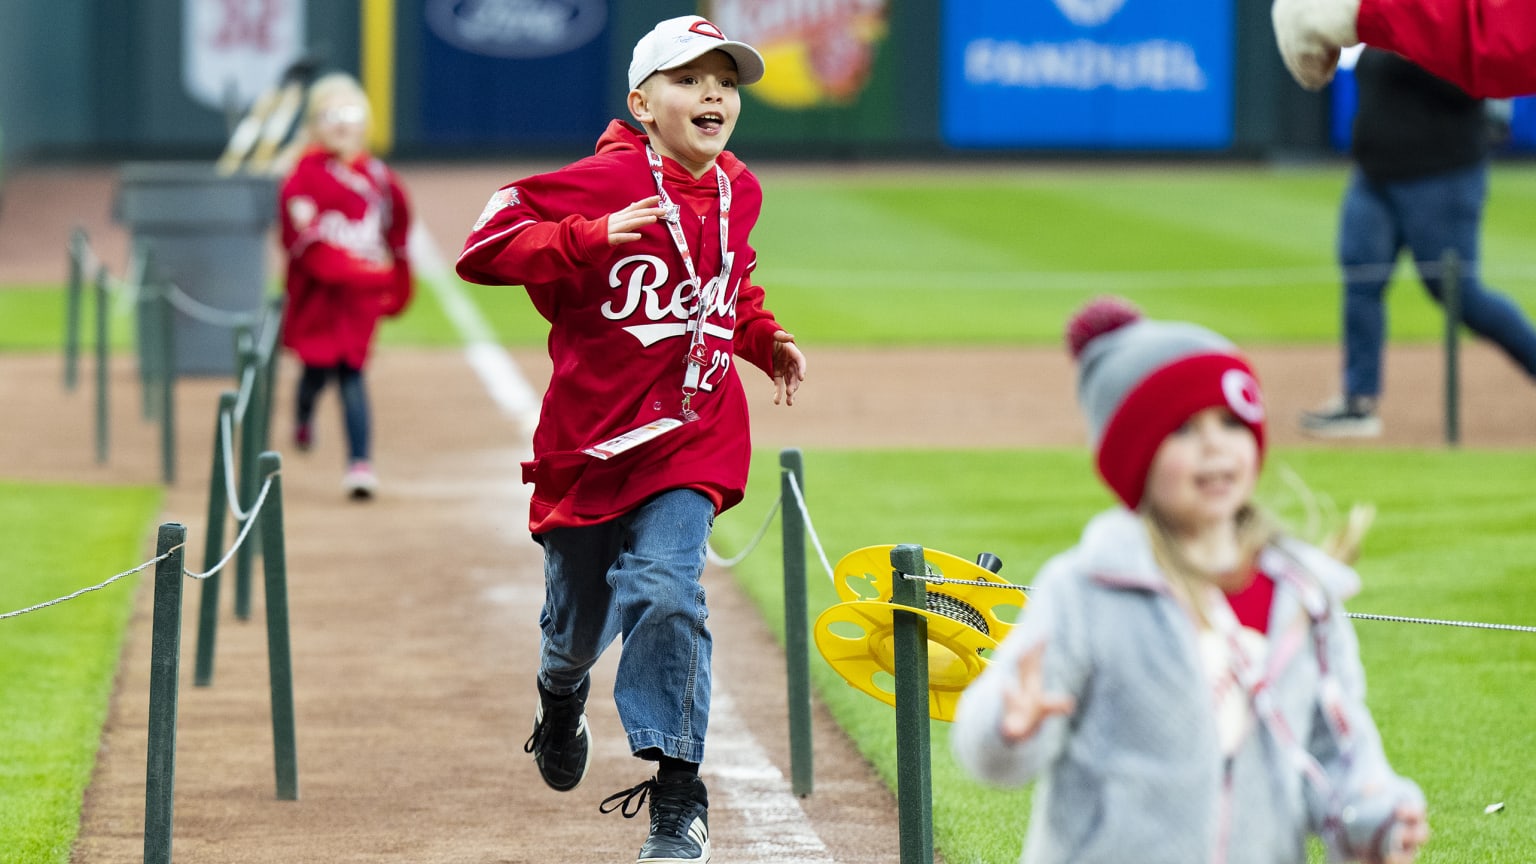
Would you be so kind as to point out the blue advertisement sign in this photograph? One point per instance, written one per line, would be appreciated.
(1113, 74)
(530, 73)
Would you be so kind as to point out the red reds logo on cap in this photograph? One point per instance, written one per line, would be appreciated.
(704, 28)
(1242, 395)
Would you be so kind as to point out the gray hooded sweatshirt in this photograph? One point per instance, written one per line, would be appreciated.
(1136, 772)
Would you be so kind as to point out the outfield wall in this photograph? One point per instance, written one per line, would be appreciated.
(498, 78)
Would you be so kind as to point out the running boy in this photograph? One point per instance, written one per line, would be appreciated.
(1185, 680)
(638, 258)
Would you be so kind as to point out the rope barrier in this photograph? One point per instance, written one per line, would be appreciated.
(810, 528)
(147, 564)
(934, 579)
(200, 311)
(226, 434)
(255, 509)
(250, 523)
(714, 557)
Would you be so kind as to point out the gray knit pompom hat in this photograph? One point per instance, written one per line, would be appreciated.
(1139, 380)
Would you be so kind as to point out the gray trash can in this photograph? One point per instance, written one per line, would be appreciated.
(207, 235)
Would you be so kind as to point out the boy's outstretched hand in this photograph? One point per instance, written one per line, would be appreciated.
(788, 368)
(624, 226)
(1026, 704)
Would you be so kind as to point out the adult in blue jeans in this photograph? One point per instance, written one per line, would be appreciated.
(1419, 183)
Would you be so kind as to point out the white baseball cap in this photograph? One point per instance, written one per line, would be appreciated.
(678, 41)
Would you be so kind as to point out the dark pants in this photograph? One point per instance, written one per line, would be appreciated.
(354, 403)
(1426, 216)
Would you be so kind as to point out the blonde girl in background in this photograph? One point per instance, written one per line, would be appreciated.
(344, 218)
(1184, 683)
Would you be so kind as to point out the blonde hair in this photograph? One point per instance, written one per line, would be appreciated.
(321, 92)
(331, 86)
(1256, 528)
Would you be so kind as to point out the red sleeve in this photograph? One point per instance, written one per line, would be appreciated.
(333, 266)
(532, 252)
(1486, 47)
(755, 325)
(401, 284)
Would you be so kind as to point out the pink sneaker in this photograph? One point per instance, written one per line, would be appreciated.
(303, 438)
(360, 482)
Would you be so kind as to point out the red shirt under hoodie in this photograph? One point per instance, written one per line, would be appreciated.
(347, 266)
(617, 335)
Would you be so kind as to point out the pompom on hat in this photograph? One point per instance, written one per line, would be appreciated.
(1139, 380)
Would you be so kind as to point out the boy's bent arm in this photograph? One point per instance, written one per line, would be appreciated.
(517, 249)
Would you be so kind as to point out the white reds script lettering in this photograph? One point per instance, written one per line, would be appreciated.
(643, 279)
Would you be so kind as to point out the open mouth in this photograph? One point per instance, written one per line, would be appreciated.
(710, 122)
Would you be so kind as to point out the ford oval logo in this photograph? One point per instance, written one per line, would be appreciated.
(517, 29)
(1089, 13)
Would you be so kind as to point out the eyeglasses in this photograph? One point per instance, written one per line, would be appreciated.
(344, 115)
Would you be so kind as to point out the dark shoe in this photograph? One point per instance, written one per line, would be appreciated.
(679, 818)
(1352, 417)
(303, 438)
(561, 743)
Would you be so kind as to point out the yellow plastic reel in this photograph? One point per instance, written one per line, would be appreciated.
(857, 637)
(866, 574)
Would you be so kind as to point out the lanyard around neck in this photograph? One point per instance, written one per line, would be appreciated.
(672, 215)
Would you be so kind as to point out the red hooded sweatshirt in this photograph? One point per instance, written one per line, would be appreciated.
(344, 228)
(1485, 47)
(618, 317)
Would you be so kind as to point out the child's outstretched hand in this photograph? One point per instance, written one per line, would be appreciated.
(624, 226)
(1027, 705)
(1410, 833)
(788, 368)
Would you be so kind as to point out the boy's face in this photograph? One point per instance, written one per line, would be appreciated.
(690, 111)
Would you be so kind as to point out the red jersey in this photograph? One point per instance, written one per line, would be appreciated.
(619, 319)
(1486, 47)
(344, 229)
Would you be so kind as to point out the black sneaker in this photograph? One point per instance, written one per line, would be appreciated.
(679, 818)
(561, 743)
(1352, 417)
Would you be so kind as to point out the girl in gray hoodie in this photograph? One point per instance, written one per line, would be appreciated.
(1184, 682)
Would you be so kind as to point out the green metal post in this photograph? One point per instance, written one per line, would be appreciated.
(279, 659)
(914, 781)
(167, 399)
(1450, 292)
(103, 357)
(164, 665)
(213, 548)
(796, 631)
(77, 246)
(249, 451)
(269, 366)
(150, 349)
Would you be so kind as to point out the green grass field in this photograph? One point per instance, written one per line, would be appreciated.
(57, 664)
(1452, 541)
(1002, 258)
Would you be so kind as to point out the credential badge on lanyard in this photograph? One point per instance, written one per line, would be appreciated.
(697, 355)
(672, 215)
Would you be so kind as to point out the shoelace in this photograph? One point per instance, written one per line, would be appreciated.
(669, 805)
(629, 801)
(555, 714)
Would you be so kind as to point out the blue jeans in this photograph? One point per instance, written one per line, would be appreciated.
(1427, 216)
(636, 576)
(354, 403)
